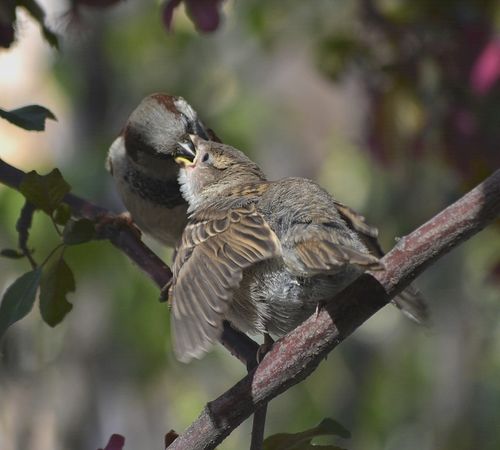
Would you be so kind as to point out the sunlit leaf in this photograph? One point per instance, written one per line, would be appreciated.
(30, 117)
(57, 281)
(18, 299)
(44, 191)
(78, 231)
(302, 440)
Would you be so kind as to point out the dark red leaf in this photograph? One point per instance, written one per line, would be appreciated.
(205, 14)
(168, 12)
(116, 442)
(7, 34)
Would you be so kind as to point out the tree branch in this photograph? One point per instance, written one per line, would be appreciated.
(239, 344)
(258, 427)
(295, 356)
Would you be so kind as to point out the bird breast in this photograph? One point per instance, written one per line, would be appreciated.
(272, 300)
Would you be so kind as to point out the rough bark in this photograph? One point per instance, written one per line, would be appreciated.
(296, 356)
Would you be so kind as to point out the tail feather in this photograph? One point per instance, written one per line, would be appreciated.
(413, 305)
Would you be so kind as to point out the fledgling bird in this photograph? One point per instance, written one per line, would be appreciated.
(142, 164)
(261, 254)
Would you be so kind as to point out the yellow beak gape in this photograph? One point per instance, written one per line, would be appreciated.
(183, 161)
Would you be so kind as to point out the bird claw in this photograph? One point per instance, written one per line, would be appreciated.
(319, 307)
(164, 291)
(118, 222)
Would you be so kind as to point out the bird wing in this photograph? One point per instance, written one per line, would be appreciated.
(208, 268)
(410, 301)
(315, 238)
(325, 255)
(325, 252)
(367, 233)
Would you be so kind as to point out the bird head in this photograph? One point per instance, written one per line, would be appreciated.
(209, 169)
(155, 127)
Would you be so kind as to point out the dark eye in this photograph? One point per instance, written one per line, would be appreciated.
(205, 158)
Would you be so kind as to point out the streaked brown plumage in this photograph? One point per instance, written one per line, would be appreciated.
(142, 164)
(260, 254)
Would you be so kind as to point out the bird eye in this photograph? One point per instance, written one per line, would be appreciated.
(205, 158)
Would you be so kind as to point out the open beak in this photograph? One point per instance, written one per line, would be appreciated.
(185, 154)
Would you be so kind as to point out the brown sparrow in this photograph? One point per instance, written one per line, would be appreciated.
(143, 167)
(261, 254)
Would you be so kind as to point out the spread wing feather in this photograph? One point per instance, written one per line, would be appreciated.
(325, 255)
(208, 268)
(410, 301)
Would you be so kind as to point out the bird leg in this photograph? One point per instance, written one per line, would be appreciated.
(164, 292)
(117, 222)
(265, 347)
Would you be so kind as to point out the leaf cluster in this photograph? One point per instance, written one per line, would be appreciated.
(52, 279)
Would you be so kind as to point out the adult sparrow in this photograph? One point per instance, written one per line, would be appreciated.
(261, 254)
(143, 167)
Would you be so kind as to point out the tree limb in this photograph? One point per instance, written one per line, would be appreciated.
(239, 344)
(295, 356)
(258, 427)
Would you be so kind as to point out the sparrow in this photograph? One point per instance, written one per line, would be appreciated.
(142, 164)
(261, 254)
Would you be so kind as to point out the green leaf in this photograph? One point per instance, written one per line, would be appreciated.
(11, 253)
(57, 282)
(62, 214)
(302, 440)
(78, 232)
(30, 117)
(18, 299)
(46, 192)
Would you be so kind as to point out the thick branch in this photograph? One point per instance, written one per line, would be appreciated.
(296, 356)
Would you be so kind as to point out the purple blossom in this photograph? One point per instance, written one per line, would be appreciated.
(486, 70)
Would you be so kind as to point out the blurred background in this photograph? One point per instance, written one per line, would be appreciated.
(392, 105)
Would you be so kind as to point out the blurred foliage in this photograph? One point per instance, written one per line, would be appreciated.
(30, 117)
(392, 105)
(431, 73)
(8, 21)
(204, 13)
(303, 440)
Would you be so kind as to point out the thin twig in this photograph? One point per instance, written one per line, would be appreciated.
(23, 226)
(259, 416)
(258, 427)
